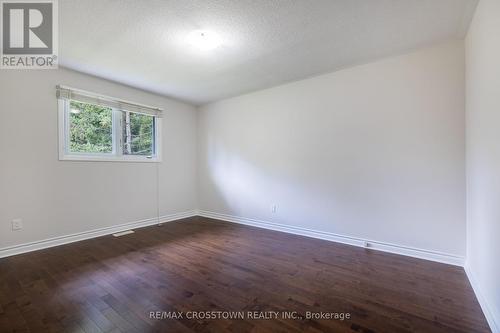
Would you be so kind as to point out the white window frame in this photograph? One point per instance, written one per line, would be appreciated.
(117, 154)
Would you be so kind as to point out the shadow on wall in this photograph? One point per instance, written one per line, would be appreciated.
(263, 192)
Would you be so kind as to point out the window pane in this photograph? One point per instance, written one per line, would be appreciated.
(90, 128)
(138, 134)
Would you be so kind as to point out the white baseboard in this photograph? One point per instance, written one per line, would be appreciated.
(488, 310)
(43, 244)
(375, 245)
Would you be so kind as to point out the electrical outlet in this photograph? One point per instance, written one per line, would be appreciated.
(274, 209)
(17, 224)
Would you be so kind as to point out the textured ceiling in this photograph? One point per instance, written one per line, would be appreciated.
(142, 43)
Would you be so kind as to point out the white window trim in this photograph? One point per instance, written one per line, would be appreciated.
(115, 156)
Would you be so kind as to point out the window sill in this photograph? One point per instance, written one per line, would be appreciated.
(100, 158)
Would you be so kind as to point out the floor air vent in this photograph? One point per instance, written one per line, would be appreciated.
(123, 233)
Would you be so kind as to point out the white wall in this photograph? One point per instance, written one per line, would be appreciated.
(375, 152)
(483, 157)
(56, 198)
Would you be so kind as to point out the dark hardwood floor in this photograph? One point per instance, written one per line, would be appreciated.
(112, 284)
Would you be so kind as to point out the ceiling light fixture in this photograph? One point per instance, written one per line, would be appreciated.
(204, 40)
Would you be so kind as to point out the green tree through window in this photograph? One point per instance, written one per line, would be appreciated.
(90, 128)
(138, 134)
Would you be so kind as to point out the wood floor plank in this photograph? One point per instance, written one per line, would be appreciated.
(113, 284)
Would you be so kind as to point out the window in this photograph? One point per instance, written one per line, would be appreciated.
(90, 129)
(95, 128)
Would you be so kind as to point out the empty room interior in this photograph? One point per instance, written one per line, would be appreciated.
(250, 166)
